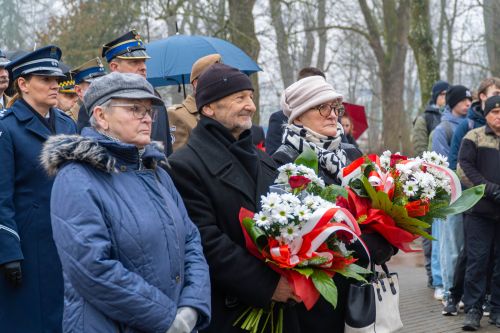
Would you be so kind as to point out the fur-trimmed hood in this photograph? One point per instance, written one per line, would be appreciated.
(98, 151)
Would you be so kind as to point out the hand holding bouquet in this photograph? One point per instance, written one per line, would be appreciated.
(303, 237)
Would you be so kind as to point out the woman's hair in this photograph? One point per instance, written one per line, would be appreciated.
(92, 120)
(18, 93)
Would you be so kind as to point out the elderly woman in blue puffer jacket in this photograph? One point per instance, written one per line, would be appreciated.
(131, 257)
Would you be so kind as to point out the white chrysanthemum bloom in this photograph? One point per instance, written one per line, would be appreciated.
(424, 179)
(410, 188)
(385, 159)
(429, 193)
(262, 220)
(290, 199)
(289, 233)
(302, 212)
(282, 213)
(270, 201)
(435, 158)
(312, 202)
(405, 169)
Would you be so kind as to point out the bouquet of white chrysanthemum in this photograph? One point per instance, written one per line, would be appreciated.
(400, 196)
(304, 237)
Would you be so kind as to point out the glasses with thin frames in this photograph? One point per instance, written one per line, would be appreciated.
(325, 110)
(140, 111)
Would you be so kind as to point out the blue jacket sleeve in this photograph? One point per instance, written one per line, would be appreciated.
(458, 135)
(10, 245)
(196, 291)
(84, 246)
(439, 142)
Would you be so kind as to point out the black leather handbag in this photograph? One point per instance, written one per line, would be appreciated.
(373, 307)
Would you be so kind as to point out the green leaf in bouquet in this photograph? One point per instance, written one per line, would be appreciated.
(354, 271)
(326, 287)
(332, 192)
(306, 271)
(466, 201)
(257, 235)
(357, 186)
(308, 158)
(380, 200)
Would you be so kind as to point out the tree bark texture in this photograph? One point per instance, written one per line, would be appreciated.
(242, 31)
(286, 65)
(491, 13)
(420, 39)
(390, 49)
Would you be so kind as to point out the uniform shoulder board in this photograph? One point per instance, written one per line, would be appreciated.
(62, 113)
(174, 107)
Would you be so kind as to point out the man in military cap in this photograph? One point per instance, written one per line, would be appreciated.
(67, 97)
(83, 76)
(127, 54)
(4, 81)
(184, 117)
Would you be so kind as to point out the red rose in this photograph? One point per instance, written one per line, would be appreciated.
(395, 159)
(298, 182)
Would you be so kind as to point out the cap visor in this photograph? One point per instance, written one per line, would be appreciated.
(137, 54)
(49, 73)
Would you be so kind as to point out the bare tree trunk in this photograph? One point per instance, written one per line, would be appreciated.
(322, 34)
(242, 30)
(420, 39)
(450, 62)
(391, 63)
(442, 16)
(307, 55)
(285, 60)
(491, 13)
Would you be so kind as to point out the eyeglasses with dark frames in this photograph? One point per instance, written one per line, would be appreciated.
(325, 110)
(140, 111)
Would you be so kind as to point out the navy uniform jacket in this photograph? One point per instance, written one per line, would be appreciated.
(25, 228)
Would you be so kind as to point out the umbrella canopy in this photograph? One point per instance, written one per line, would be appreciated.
(172, 58)
(358, 116)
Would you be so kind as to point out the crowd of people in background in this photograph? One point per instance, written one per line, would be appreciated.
(462, 260)
(120, 214)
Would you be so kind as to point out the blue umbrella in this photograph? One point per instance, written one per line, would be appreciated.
(172, 58)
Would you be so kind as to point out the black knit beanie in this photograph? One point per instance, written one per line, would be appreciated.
(219, 81)
(456, 94)
(491, 103)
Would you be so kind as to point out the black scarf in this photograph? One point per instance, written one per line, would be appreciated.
(243, 148)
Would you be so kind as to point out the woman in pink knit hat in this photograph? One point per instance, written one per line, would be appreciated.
(313, 109)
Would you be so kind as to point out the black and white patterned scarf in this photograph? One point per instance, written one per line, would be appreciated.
(331, 157)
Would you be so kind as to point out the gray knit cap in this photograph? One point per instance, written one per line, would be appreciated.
(306, 94)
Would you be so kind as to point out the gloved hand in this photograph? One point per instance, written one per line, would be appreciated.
(380, 249)
(13, 274)
(185, 320)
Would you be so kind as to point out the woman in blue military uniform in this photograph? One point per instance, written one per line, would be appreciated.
(31, 284)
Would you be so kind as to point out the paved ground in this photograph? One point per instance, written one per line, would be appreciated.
(420, 313)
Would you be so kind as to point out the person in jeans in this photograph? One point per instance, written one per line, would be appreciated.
(478, 163)
(458, 99)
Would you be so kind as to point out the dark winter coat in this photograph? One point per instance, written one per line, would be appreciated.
(424, 125)
(475, 119)
(275, 129)
(478, 163)
(214, 185)
(25, 229)
(130, 254)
